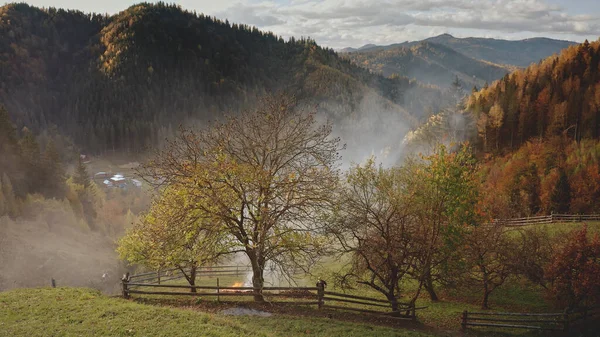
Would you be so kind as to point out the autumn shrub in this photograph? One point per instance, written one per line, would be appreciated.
(574, 271)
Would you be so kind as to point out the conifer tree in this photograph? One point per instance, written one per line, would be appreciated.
(10, 200)
(54, 172)
(30, 156)
(561, 196)
(81, 176)
(8, 137)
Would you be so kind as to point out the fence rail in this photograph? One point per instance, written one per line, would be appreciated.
(531, 321)
(546, 219)
(164, 275)
(367, 305)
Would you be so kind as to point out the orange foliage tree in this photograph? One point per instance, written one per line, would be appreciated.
(574, 271)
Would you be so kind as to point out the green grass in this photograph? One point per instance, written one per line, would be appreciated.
(85, 312)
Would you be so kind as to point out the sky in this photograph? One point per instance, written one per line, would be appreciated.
(354, 23)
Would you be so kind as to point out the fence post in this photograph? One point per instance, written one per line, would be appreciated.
(158, 276)
(53, 283)
(218, 298)
(566, 320)
(320, 292)
(413, 315)
(125, 281)
(463, 324)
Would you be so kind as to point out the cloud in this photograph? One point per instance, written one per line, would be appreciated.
(340, 23)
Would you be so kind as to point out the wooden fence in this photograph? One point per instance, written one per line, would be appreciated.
(149, 284)
(165, 275)
(547, 219)
(368, 305)
(533, 321)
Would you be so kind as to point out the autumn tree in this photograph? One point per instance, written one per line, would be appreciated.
(86, 192)
(496, 120)
(445, 194)
(373, 223)
(574, 271)
(171, 234)
(263, 176)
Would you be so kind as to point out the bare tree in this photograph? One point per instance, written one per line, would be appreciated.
(488, 253)
(262, 177)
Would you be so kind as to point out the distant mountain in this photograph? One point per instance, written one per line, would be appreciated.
(430, 63)
(519, 53)
(365, 47)
(123, 82)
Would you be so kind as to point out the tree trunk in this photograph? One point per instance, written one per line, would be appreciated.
(486, 291)
(193, 278)
(429, 286)
(258, 280)
(393, 301)
(484, 303)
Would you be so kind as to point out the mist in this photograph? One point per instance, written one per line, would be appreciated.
(374, 129)
(49, 242)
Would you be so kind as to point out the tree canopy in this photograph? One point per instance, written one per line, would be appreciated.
(261, 178)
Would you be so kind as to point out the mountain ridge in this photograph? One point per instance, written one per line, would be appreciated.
(483, 48)
(430, 63)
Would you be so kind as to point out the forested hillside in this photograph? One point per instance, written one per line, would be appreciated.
(540, 127)
(126, 81)
(430, 63)
(559, 96)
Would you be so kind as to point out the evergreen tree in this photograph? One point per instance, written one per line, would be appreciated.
(9, 149)
(561, 195)
(81, 176)
(8, 136)
(532, 188)
(54, 176)
(30, 156)
(10, 201)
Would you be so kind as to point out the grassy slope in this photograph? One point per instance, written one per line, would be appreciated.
(84, 312)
